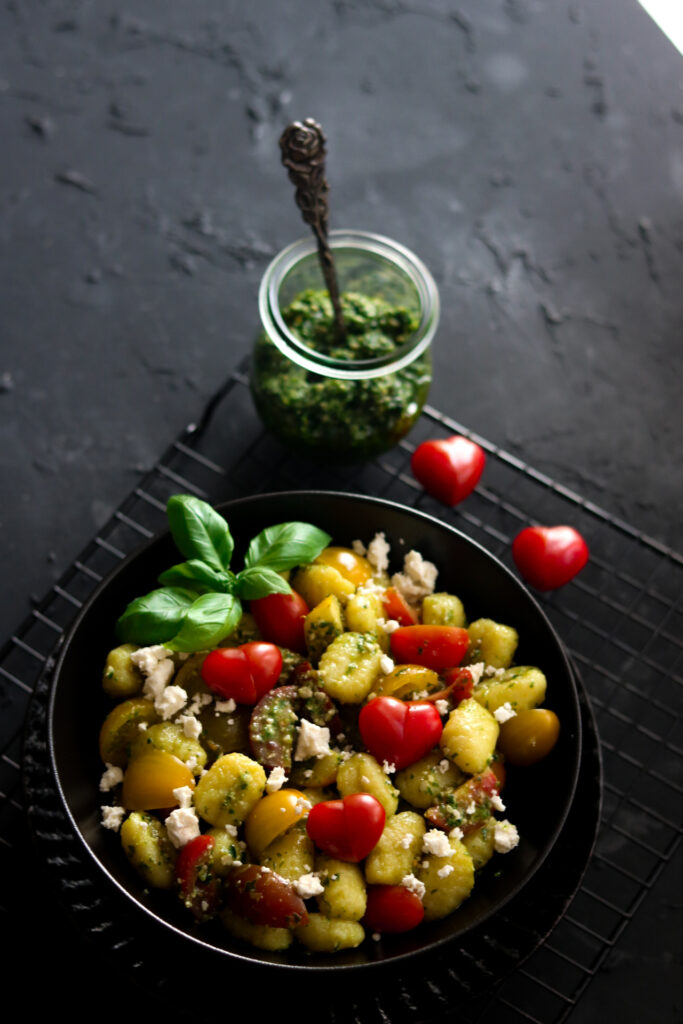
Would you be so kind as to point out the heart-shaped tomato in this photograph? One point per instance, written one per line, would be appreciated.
(449, 469)
(244, 673)
(347, 829)
(397, 731)
(549, 556)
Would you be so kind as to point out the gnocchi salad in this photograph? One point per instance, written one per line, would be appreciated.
(333, 769)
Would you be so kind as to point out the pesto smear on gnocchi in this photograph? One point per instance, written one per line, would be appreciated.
(333, 768)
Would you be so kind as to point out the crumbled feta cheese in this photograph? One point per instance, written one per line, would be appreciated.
(147, 658)
(413, 884)
(490, 670)
(191, 726)
(417, 579)
(191, 762)
(456, 833)
(505, 837)
(425, 864)
(436, 842)
(405, 842)
(308, 773)
(442, 706)
(170, 701)
(504, 713)
(231, 830)
(476, 671)
(365, 781)
(183, 795)
(142, 726)
(471, 808)
(378, 553)
(199, 701)
(182, 825)
(445, 871)
(386, 664)
(388, 626)
(496, 803)
(443, 765)
(302, 805)
(112, 817)
(110, 778)
(275, 780)
(309, 885)
(359, 547)
(225, 706)
(499, 673)
(313, 741)
(388, 768)
(157, 680)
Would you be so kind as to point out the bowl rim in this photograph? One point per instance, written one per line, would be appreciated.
(312, 969)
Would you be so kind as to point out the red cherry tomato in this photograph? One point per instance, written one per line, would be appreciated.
(549, 556)
(449, 469)
(460, 683)
(396, 607)
(263, 897)
(244, 673)
(280, 619)
(392, 908)
(437, 647)
(399, 732)
(347, 829)
(198, 888)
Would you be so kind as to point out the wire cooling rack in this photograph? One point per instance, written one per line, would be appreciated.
(620, 619)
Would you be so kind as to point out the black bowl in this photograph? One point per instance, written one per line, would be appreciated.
(538, 799)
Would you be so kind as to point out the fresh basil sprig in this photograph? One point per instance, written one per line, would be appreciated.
(200, 601)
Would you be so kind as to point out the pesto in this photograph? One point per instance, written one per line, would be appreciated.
(325, 415)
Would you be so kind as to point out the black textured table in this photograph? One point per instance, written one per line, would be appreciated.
(531, 153)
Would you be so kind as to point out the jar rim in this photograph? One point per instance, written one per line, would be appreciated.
(393, 253)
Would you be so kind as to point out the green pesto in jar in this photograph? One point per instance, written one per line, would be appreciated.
(322, 415)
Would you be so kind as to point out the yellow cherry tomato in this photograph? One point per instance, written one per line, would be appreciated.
(529, 736)
(408, 681)
(272, 816)
(352, 567)
(149, 781)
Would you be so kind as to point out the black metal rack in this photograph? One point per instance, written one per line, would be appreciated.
(621, 621)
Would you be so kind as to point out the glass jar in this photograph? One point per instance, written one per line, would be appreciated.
(354, 399)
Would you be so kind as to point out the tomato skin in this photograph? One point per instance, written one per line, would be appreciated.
(354, 568)
(264, 898)
(399, 732)
(437, 647)
(529, 736)
(347, 829)
(271, 816)
(396, 607)
(549, 556)
(198, 889)
(392, 908)
(280, 619)
(149, 781)
(448, 469)
(243, 673)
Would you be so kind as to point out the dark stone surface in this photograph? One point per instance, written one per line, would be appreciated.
(530, 152)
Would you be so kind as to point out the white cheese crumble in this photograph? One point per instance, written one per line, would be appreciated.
(157, 680)
(456, 833)
(191, 762)
(442, 706)
(191, 726)
(497, 803)
(183, 794)
(182, 825)
(110, 777)
(378, 553)
(386, 664)
(443, 765)
(365, 781)
(388, 768)
(276, 780)
(199, 701)
(413, 884)
(436, 842)
(170, 701)
(505, 837)
(142, 726)
(504, 713)
(445, 871)
(388, 626)
(147, 658)
(405, 842)
(476, 671)
(312, 741)
(309, 885)
(359, 548)
(471, 808)
(225, 706)
(112, 817)
(231, 830)
(417, 579)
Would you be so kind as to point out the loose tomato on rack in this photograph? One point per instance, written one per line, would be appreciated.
(199, 889)
(437, 647)
(396, 607)
(399, 732)
(280, 619)
(449, 469)
(549, 556)
(243, 673)
(348, 828)
(392, 908)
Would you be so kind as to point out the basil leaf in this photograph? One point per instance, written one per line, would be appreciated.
(209, 619)
(259, 581)
(156, 617)
(199, 531)
(286, 545)
(196, 573)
